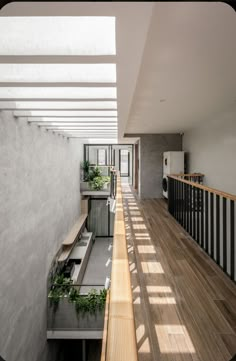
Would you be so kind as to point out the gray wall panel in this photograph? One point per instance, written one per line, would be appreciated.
(152, 147)
(40, 201)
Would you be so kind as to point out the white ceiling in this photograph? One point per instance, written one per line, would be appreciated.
(188, 67)
(175, 63)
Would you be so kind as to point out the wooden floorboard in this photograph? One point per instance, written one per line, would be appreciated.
(184, 305)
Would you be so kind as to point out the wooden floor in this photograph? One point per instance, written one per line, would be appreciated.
(185, 307)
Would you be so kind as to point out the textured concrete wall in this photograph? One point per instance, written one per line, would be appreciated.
(211, 149)
(40, 200)
(152, 147)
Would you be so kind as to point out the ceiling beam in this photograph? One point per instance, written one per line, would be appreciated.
(66, 113)
(72, 119)
(45, 124)
(57, 59)
(40, 92)
(59, 105)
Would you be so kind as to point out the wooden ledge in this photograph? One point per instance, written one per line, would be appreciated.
(75, 230)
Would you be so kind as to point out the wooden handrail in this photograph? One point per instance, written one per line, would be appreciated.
(205, 188)
(188, 175)
(121, 337)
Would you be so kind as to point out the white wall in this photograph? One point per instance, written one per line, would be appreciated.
(211, 148)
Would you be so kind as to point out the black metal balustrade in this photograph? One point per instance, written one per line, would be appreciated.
(208, 215)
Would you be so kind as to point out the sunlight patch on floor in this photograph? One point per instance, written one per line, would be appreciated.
(159, 289)
(146, 249)
(142, 234)
(152, 267)
(135, 213)
(136, 219)
(136, 289)
(139, 226)
(137, 301)
(162, 301)
(145, 346)
(140, 331)
(174, 339)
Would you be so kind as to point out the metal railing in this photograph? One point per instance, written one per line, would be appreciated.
(192, 177)
(208, 215)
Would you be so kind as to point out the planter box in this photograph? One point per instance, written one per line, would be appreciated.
(84, 186)
(65, 317)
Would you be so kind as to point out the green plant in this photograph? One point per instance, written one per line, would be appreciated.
(60, 287)
(93, 299)
(97, 183)
(73, 295)
(94, 173)
(86, 168)
(107, 179)
(82, 304)
(102, 298)
(91, 302)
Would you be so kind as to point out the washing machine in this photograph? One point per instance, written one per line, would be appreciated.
(173, 163)
(165, 186)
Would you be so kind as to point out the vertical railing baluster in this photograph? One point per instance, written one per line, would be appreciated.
(194, 213)
(187, 210)
(182, 205)
(198, 210)
(185, 205)
(172, 193)
(232, 241)
(212, 224)
(202, 218)
(191, 211)
(224, 234)
(178, 198)
(175, 197)
(169, 193)
(218, 229)
(206, 221)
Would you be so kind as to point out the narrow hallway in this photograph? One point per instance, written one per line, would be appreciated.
(184, 306)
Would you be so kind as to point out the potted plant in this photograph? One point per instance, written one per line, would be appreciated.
(84, 184)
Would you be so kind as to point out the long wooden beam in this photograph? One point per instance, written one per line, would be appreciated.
(121, 338)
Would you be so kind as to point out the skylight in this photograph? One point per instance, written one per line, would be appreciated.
(46, 73)
(54, 105)
(66, 113)
(77, 120)
(62, 35)
(57, 92)
(90, 124)
(83, 128)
